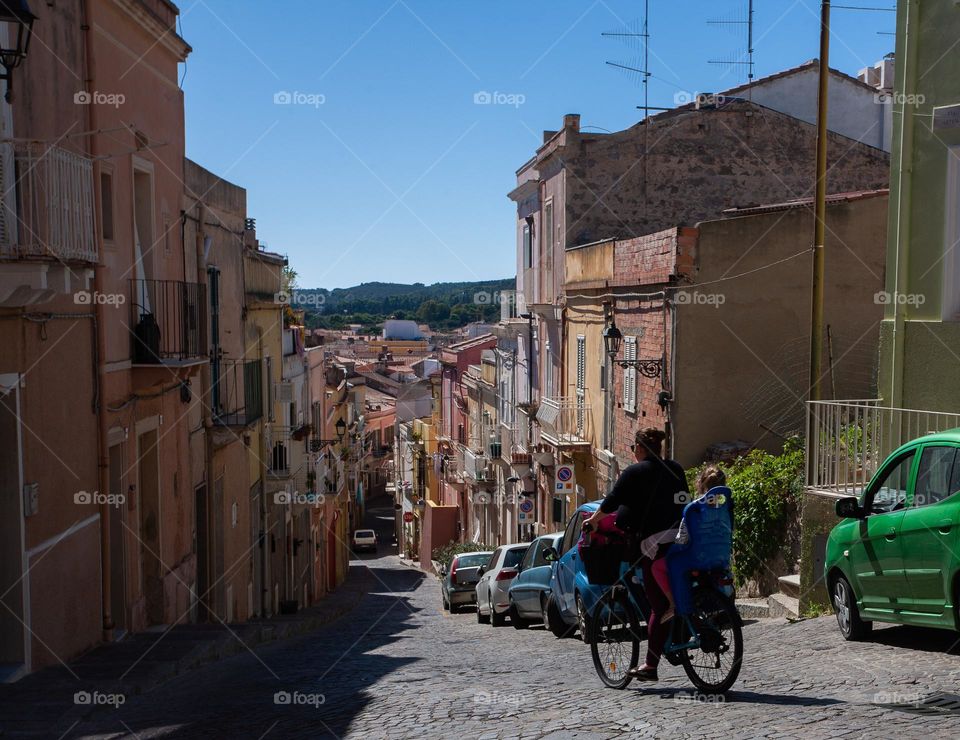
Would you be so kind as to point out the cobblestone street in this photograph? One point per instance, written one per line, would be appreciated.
(400, 667)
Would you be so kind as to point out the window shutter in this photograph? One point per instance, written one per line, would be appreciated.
(630, 375)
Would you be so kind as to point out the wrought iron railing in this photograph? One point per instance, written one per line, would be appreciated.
(236, 392)
(168, 321)
(848, 440)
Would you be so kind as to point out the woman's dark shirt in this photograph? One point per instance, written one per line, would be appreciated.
(648, 491)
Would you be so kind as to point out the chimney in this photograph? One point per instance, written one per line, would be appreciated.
(572, 121)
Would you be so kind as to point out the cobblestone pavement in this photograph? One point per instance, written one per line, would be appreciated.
(400, 667)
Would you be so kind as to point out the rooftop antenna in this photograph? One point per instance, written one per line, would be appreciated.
(737, 59)
(633, 35)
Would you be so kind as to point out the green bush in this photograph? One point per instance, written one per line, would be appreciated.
(445, 553)
(766, 496)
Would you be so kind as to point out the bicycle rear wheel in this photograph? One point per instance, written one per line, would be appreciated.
(615, 632)
(714, 666)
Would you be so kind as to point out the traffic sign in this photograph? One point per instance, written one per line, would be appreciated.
(526, 506)
(565, 481)
(408, 516)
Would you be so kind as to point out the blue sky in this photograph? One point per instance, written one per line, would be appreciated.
(382, 166)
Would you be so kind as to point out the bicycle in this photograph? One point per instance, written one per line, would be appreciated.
(701, 641)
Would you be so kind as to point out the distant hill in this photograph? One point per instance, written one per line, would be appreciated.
(441, 305)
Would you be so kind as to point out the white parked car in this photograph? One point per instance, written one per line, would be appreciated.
(364, 539)
(493, 588)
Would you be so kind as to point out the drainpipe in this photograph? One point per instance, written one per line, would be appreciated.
(206, 386)
(103, 461)
(262, 458)
(904, 200)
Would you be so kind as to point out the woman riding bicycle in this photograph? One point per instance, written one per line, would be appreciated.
(648, 501)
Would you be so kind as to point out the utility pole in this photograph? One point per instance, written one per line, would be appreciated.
(820, 207)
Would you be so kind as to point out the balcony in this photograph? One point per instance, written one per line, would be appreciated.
(565, 421)
(236, 392)
(848, 440)
(286, 448)
(168, 320)
(47, 203)
(475, 466)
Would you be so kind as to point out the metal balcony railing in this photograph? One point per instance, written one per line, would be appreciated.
(286, 450)
(237, 392)
(168, 321)
(565, 421)
(46, 203)
(848, 440)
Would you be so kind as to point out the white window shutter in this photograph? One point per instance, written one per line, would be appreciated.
(630, 375)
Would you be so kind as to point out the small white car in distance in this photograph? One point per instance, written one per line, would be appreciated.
(364, 539)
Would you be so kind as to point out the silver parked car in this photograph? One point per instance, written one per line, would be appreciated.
(495, 579)
(459, 578)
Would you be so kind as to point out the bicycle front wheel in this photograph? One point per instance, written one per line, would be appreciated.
(713, 667)
(615, 632)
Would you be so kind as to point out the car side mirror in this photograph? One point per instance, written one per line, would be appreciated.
(849, 508)
(550, 554)
(480, 571)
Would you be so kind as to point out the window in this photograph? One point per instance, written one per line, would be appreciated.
(572, 532)
(937, 476)
(106, 205)
(528, 558)
(493, 559)
(528, 246)
(891, 491)
(630, 375)
(538, 558)
(513, 557)
(581, 380)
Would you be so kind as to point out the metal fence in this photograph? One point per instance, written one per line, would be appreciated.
(848, 440)
(168, 321)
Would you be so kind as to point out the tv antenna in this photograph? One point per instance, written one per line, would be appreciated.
(634, 35)
(736, 21)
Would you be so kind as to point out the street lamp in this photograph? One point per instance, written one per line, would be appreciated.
(16, 18)
(612, 337)
(317, 444)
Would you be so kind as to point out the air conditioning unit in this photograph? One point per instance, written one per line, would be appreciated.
(284, 392)
(476, 465)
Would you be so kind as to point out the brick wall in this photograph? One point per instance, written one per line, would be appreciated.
(645, 320)
(687, 166)
(654, 258)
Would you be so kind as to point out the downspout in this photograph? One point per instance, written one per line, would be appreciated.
(904, 200)
(103, 461)
(206, 401)
(262, 451)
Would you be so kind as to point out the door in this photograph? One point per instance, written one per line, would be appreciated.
(14, 644)
(521, 590)
(569, 563)
(203, 552)
(148, 468)
(875, 555)
(928, 533)
(118, 570)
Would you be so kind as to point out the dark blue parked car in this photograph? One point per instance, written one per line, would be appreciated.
(529, 590)
(572, 597)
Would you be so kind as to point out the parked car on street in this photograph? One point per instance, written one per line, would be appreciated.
(495, 579)
(572, 597)
(894, 557)
(364, 539)
(528, 592)
(458, 580)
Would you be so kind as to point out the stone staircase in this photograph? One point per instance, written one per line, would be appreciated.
(785, 603)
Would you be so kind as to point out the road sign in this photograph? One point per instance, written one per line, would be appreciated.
(408, 516)
(565, 481)
(526, 511)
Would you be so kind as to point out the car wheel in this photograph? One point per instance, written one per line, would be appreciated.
(848, 616)
(516, 620)
(496, 620)
(553, 621)
(446, 604)
(583, 621)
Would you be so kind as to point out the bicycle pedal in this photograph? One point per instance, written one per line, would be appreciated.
(673, 658)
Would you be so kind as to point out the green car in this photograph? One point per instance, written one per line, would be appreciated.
(896, 555)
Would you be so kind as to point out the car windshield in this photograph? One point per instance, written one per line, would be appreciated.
(472, 561)
(363, 533)
(512, 558)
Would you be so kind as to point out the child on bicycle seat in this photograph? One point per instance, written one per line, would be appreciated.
(705, 537)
